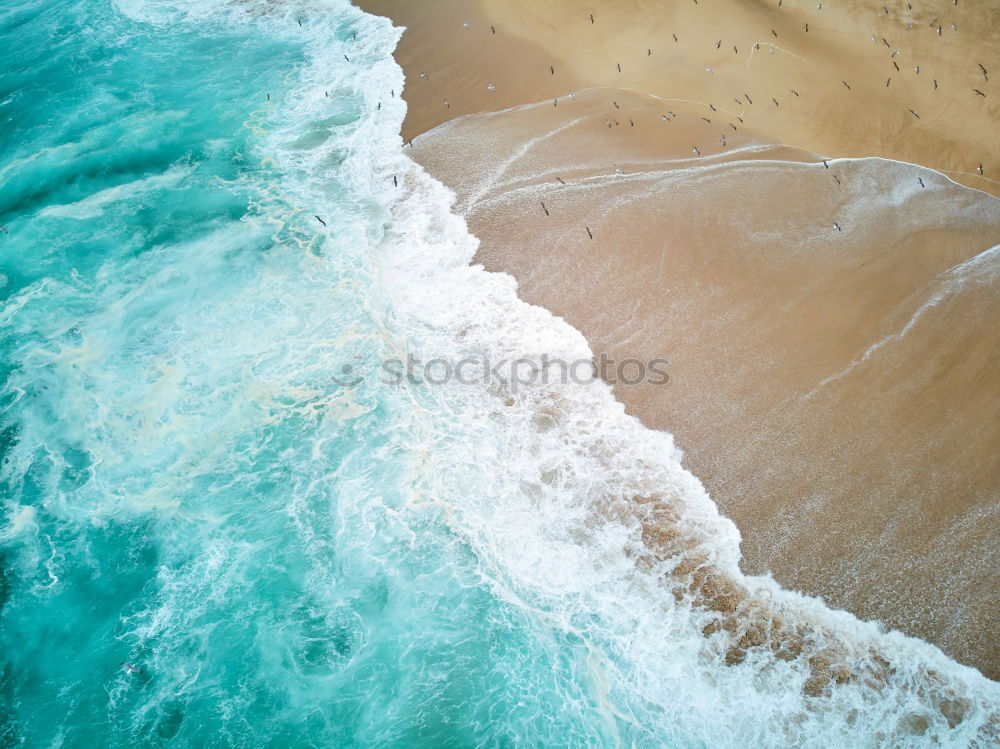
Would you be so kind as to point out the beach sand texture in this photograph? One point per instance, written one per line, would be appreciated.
(831, 328)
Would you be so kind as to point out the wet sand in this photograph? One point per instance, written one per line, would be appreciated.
(835, 389)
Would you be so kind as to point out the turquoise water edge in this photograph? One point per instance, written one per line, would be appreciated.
(180, 492)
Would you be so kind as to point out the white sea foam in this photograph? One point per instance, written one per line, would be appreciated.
(92, 205)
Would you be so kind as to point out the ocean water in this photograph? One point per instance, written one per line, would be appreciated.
(223, 526)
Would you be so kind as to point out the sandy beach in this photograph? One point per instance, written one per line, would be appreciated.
(800, 228)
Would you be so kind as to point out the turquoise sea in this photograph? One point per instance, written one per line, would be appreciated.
(221, 528)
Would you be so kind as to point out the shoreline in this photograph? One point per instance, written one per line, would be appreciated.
(759, 405)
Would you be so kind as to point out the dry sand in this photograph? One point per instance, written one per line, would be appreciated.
(836, 390)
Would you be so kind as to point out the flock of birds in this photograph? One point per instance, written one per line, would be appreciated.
(744, 99)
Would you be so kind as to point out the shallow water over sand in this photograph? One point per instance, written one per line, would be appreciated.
(831, 387)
